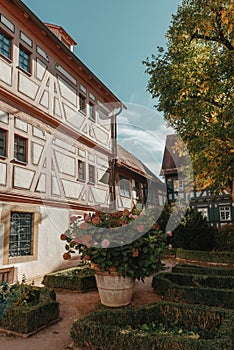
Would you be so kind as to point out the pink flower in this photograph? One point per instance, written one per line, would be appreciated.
(143, 213)
(73, 218)
(169, 233)
(87, 218)
(105, 243)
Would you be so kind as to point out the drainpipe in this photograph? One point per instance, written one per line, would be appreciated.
(114, 156)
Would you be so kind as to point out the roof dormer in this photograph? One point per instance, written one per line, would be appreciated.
(62, 35)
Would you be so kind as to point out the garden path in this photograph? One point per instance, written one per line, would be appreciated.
(73, 305)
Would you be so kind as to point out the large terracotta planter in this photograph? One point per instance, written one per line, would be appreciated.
(114, 289)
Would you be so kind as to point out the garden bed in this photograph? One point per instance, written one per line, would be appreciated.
(162, 326)
(199, 285)
(26, 309)
(77, 278)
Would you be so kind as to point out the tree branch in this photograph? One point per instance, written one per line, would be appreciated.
(220, 38)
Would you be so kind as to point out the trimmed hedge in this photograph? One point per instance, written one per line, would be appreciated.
(202, 270)
(162, 284)
(78, 278)
(211, 256)
(106, 329)
(186, 279)
(28, 318)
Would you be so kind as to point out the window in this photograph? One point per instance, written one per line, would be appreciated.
(82, 103)
(92, 112)
(204, 212)
(20, 148)
(81, 170)
(225, 213)
(91, 174)
(20, 226)
(3, 134)
(124, 185)
(20, 240)
(24, 59)
(138, 190)
(5, 45)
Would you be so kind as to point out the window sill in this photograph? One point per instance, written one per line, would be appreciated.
(16, 161)
(79, 180)
(29, 74)
(3, 157)
(9, 60)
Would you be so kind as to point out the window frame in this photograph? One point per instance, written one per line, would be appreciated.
(19, 250)
(92, 178)
(92, 111)
(81, 170)
(28, 69)
(5, 219)
(224, 209)
(82, 98)
(5, 143)
(122, 189)
(25, 160)
(10, 45)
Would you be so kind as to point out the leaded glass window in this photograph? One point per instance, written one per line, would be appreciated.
(21, 226)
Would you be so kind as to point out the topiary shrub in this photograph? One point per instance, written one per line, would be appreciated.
(161, 326)
(224, 238)
(78, 278)
(193, 233)
(26, 308)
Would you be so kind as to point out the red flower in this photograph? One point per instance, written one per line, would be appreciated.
(156, 226)
(66, 256)
(135, 252)
(96, 220)
(63, 237)
(126, 212)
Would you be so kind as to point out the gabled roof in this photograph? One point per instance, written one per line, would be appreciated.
(172, 160)
(129, 161)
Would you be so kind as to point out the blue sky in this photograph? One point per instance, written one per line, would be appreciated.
(113, 38)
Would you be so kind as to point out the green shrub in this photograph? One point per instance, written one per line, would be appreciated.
(26, 308)
(119, 328)
(224, 238)
(186, 279)
(202, 270)
(196, 255)
(163, 284)
(193, 232)
(81, 279)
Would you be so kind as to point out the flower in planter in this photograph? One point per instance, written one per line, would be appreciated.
(130, 243)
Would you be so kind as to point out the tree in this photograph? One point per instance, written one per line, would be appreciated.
(193, 80)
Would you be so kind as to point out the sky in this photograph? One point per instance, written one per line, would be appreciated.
(113, 38)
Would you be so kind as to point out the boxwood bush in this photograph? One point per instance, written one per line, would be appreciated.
(123, 329)
(27, 308)
(78, 278)
(163, 284)
(211, 256)
(203, 270)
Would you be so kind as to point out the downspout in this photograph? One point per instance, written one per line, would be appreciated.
(114, 157)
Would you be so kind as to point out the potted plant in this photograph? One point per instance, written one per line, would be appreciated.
(120, 246)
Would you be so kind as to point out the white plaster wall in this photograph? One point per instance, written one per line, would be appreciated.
(1, 238)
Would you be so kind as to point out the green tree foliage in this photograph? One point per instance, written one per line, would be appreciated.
(194, 83)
